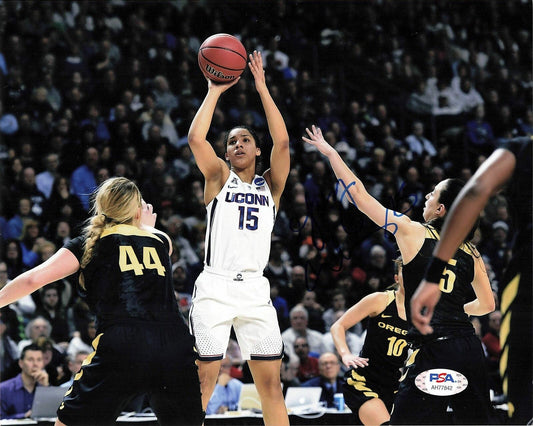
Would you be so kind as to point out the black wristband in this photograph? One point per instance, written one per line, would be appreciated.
(435, 269)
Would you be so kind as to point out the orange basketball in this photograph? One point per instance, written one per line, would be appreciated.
(222, 58)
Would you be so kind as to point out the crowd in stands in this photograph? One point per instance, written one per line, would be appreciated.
(409, 92)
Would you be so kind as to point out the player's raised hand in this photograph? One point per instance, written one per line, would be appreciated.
(148, 217)
(317, 140)
(256, 67)
(220, 87)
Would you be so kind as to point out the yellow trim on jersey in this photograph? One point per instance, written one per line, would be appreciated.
(87, 360)
(509, 294)
(391, 295)
(408, 363)
(123, 229)
(508, 297)
(433, 234)
(412, 357)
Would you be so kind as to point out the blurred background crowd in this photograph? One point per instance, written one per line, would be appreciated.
(409, 92)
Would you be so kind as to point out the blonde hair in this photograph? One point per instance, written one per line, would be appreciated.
(115, 201)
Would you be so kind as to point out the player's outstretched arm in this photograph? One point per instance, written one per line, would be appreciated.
(209, 164)
(355, 191)
(370, 305)
(280, 155)
(62, 264)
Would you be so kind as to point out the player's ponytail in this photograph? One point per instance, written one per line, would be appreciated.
(114, 202)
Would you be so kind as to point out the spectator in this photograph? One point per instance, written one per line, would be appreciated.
(421, 100)
(308, 367)
(13, 253)
(15, 225)
(53, 95)
(417, 143)
(298, 319)
(162, 121)
(479, 133)
(281, 305)
(45, 179)
(10, 353)
(63, 205)
(163, 96)
(37, 327)
(93, 118)
(60, 232)
(227, 391)
(496, 247)
(54, 361)
(23, 308)
(296, 286)
(274, 58)
(181, 280)
(491, 338)
(83, 178)
(337, 304)
(176, 230)
(277, 267)
(329, 379)
(11, 318)
(469, 98)
(491, 342)
(74, 366)
(314, 311)
(28, 243)
(52, 310)
(379, 273)
(17, 393)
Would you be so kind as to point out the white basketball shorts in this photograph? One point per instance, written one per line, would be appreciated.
(242, 300)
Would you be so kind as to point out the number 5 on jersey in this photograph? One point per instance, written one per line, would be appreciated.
(448, 277)
(128, 260)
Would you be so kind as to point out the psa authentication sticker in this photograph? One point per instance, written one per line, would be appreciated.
(441, 382)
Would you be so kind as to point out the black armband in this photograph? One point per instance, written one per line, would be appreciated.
(435, 269)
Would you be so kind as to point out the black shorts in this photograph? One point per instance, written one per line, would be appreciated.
(363, 384)
(152, 359)
(471, 406)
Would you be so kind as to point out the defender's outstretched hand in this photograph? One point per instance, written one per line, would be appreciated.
(317, 140)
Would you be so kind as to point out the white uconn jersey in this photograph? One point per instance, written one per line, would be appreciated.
(240, 220)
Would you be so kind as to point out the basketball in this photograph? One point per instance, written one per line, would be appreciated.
(222, 58)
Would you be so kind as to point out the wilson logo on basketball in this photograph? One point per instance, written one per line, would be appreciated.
(215, 73)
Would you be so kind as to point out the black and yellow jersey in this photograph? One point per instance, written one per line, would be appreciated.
(449, 317)
(385, 343)
(129, 277)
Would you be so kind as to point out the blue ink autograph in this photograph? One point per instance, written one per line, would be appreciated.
(338, 256)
